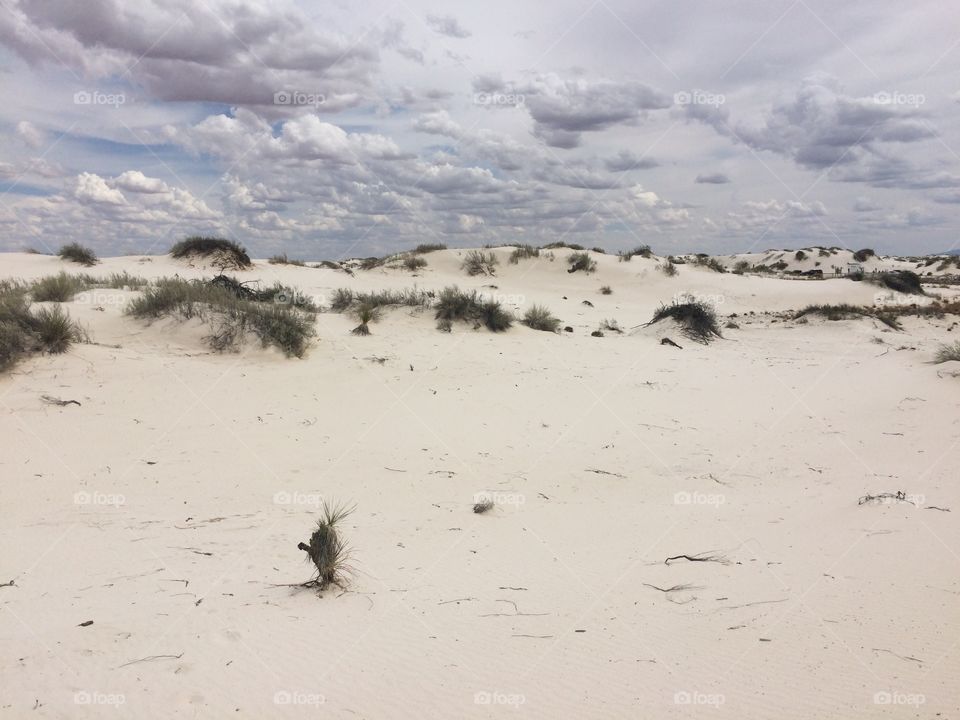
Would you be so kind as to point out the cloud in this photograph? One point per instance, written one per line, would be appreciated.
(92, 188)
(625, 161)
(447, 25)
(30, 134)
(712, 179)
(865, 204)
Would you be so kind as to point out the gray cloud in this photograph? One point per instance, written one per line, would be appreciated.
(447, 25)
(712, 179)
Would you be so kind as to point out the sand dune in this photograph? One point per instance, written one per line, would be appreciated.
(167, 506)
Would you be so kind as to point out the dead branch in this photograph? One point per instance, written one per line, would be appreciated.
(153, 657)
(899, 496)
(50, 400)
(700, 557)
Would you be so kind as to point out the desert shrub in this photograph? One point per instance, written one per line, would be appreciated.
(276, 324)
(425, 248)
(456, 305)
(863, 255)
(342, 299)
(54, 328)
(611, 325)
(57, 288)
(222, 253)
(710, 263)
(479, 263)
(523, 252)
(643, 251)
(697, 320)
(365, 314)
(778, 266)
(598, 250)
(904, 281)
(327, 549)
(845, 311)
(946, 353)
(414, 263)
(605, 290)
(24, 332)
(800, 255)
(582, 262)
(539, 318)
(75, 252)
(668, 268)
(560, 245)
(741, 266)
(823, 252)
(282, 259)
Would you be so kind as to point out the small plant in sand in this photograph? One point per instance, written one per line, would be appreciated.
(611, 325)
(643, 251)
(455, 305)
(414, 263)
(365, 314)
(697, 319)
(581, 262)
(282, 259)
(668, 268)
(479, 263)
(605, 290)
(424, 248)
(523, 252)
(23, 332)
(327, 549)
(539, 318)
(946, 353)
(75, 252)
(709, 263)
(482, 504)
(845, 311)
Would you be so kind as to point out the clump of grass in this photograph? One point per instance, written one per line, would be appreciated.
(482, 505)
(479, 263)
(414, 263)
(54, 329)
(740, 267)
(611, 326)
(710, 263)
(424, 248)
(864, 254)
(846, 311)
(643, 251)
(559, 245)
(23, 332)
(523, 252)
(904, 281)
(668, 268)
(946, 353)
(327, 549)
(365, 314)
(344, 298)
(282, 259)
(697, 319)
(581, 262)
(605, 290)
(57, 288)
(221, 252)
(75, 252)
(280, 325)
(455, 305)
(539, 318)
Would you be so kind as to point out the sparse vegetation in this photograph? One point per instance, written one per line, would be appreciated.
(539, 318)
(611, 325)
(845, 312)
(365, 314)
(455, 305)
(643, 251)
(222, 253)
(63, 286)
(710, 263)
(327, 549)
(523, 252)
(741, 266)
(946, 353)
(561, 245)
(605, 290)
(75, 252)
(344, 298)
(414, 263)
(425, 248)
(904, 281)
(480, 263)
(282, 259)
(668, 268)
(281, 325)
(581, 262)
(24, 332)
(697, 320)
(800, 255)
(863, 255)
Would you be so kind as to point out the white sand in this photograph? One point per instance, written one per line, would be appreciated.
(541, 608)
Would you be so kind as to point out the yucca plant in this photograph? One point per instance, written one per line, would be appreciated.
(365, 314)
(327, 549)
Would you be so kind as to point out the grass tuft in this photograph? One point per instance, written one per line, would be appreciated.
(455, 305)
(75, 252)
(946, 353)
(581, 262)
(222, 253)
(539, 318)
(327, 549)
(697, 320)
(479, 263)
(523, 252)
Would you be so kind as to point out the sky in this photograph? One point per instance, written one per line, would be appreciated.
(345, 129)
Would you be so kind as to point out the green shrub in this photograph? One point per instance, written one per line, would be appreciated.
(57, 288)
(55, 330)
(523, 252)
(904, 281)
(581, 262)
(282, 259)
(455, 305)
(222, 253)
(425, 248)
(539, 318)
(697, 320)
(863, 255)
(479, 263)
(668, 268)
(75, 252)
(414, 263)
(741, 266)
(327, 549)
(643, 251)
(710, 263)
(800, 255)
(560, 245)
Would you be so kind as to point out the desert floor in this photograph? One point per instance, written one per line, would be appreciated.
(167, 506)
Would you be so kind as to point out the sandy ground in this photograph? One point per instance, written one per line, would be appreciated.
(167, 507)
